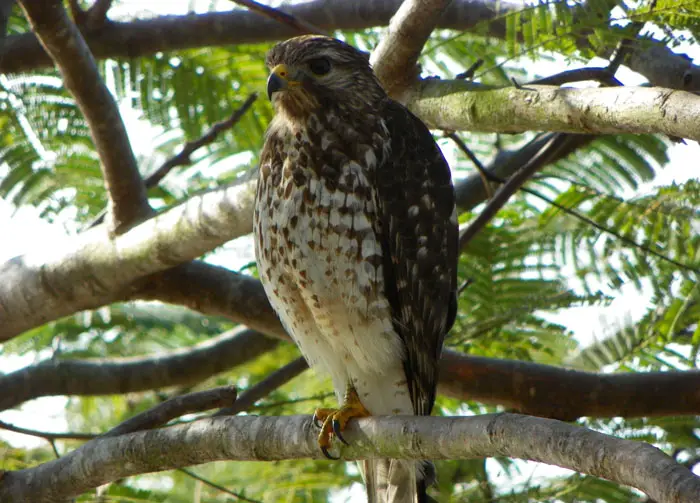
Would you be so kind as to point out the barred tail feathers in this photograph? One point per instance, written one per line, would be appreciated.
(394, 481)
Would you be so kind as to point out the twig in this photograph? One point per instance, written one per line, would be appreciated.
(483, 172)
(265, 387)
(293, 401)
(216, 486)
(183, 157)
(508, 162)
(45, 434)
(610, 231)
(175, 407)
(509, 188)
(468, 74)
(298, 24)
(603, 75)
(490, 176)
(66, 46)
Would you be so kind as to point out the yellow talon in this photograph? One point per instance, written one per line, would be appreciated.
(336, 420)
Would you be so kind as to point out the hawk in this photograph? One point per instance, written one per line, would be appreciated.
(356, 242)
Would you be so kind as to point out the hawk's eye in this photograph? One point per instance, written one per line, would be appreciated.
(319, 66)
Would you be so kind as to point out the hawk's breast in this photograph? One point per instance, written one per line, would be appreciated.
(317, 248)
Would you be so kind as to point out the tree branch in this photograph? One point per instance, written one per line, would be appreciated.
(183, 158)
(50, 436)
(110, 376)
(275, 380)
(457, 105)
(66, 46)
(175, 407)
(395, 59)
(566, 394)
(214, 291)
(93, 268)
(22, 53)
(294, 437)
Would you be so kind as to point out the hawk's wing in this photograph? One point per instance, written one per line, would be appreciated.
(419, 238)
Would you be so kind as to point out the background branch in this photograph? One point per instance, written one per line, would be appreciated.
(21, 53)
(105, 377)
(294, 437)
(175, 407)
(66, 46)
(395, 59)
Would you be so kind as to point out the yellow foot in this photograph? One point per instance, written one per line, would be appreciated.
(334, 421)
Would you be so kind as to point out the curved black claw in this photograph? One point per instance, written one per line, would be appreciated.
(325, 452)
(317, 423)
(336, 430)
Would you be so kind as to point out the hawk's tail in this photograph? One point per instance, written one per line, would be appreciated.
(396, 481)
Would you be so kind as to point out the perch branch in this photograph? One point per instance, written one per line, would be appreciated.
(404, 437)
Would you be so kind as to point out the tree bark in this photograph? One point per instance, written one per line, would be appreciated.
(294, 437)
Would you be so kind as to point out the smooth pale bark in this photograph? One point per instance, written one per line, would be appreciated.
(457, 105)
(294, 437)
(55, 281)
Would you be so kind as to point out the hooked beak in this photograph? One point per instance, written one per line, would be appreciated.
(279, 80)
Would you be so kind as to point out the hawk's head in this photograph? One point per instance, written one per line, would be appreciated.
(314, 72)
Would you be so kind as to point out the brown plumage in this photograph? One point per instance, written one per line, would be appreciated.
(356, 237)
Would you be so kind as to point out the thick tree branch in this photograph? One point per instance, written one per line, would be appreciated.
(294, 437)
(105, 377)
(395, 59)
(566, 394)
(94, 269)
(66, 46)
(457, 105)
